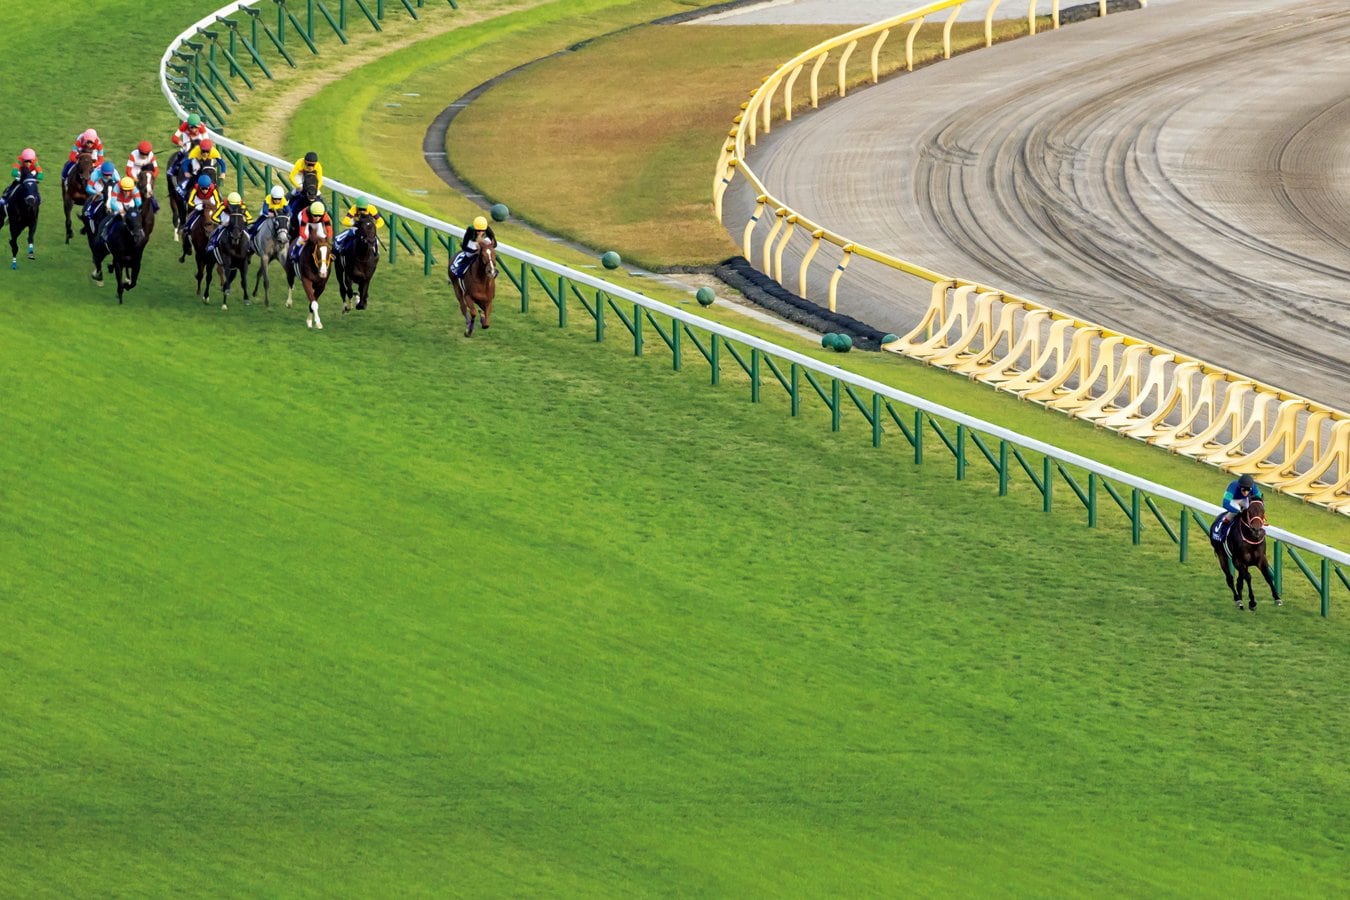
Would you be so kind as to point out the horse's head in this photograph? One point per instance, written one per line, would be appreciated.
(84, 166)
(282, 228)
(1254, 519)
(487, 254)
(365, 228)
(322, 254)
(134, 225)
(309, 183)
(146, 184)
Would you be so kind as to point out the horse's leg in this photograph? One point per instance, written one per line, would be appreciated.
(290, 280)
(1264, 568)
(226, 276)
(243, 282)
(487, 310)
(1227, 572)
(312, 320)
(14, 247)
(1247, 577)
(32, 229)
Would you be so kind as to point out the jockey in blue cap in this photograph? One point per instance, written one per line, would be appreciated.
(102, 182)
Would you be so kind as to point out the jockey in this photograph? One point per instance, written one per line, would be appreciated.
(189, 132)
(142, 158)
(127, 197)
(1239, 494)
(307, 163)
(234, 206)
(26, 166)
(272, 205)
(313, 224)
(362, 205)
(480, 228)
(202, 190)
(204, 156)
(102, 183)
(88, 140)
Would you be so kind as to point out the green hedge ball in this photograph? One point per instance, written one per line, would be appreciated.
(890, 339)
(827, 340)
(611, 260)
(499, 212)
(705, 296)
(843, 343)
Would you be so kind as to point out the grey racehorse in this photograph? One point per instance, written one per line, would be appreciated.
(270, 243)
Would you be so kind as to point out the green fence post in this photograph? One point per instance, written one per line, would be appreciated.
(1136, 520)
(393, 238)
(1185, 533)
(675, 329)
(1092, 500)
(562, 302)
(796, 389)
(1278, 568)
(837, 412)
(918, 437)
(876, 420)
(960, 452)
(1002, 468)
(342, 14)
(379, 9)
(754, 375)
(281, 21)
(599, 316)
(1326, 587)
(715, 360)
(1047, 478)
(426, 250)
(525, 273)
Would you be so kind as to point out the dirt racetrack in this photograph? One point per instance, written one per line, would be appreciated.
(1179, 173)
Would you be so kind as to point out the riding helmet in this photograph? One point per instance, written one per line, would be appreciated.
(278, 192)
(194, 120)
(28, 154)
(316, 208)
(234, 199)
(362, 203)
(206, 145)
(204, 181)
(89, 136)
(1247, 482)
(108, 168)
(126, 183)
(144, 147)
(480, 224)
(311, 157)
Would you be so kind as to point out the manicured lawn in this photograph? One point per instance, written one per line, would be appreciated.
(381, 611)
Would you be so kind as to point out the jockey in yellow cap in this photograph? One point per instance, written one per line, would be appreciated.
(472, 235)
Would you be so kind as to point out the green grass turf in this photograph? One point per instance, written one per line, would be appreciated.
(379, 611)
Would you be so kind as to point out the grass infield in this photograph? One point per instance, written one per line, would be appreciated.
(379, 611)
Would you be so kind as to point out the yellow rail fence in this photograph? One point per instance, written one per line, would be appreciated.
(1135, 387)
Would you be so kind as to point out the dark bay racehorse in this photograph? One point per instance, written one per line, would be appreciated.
(1246, 547)
(478, 286)
(146, 184)
(312, 268)
(271, 242)
(177, 203)
(231, 254)
(200, 234)
(22, 212)
(74, 190)
(126, 245)
(355, 266)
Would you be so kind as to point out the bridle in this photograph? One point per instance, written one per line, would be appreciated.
(1253, 523)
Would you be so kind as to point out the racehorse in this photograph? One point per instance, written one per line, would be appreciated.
(307, 194)
(126, 245)
(146, 184)
(177, 202)
(200, 234)
(231, 254)
(271, 242)
(355, 265)
(1246, 547)
(312, 268)
(478, 286)
(22, 211)
(74, 190)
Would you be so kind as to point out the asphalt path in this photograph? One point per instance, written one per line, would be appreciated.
(1180, 173)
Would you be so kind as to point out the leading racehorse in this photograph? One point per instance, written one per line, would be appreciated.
(126, 245)
(478, 287)
(355, 264)
(231, 254)
(22, 211)
(312, 267)
(75, 190)
(1245, 547)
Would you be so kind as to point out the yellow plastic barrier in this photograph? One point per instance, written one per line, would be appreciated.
(1147, 392)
